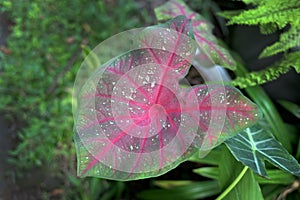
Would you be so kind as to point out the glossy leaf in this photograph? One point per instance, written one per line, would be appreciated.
(210, 52)
(135, 121)
(254, 145)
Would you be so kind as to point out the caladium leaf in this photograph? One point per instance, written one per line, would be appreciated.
(210, 53)
(223, 111)
(135, 121)
(123, 128)
(255, 144)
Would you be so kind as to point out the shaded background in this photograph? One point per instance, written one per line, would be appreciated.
(42, 45)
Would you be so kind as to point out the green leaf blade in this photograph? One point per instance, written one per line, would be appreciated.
(291, 107)
(209, 172)
(276, 177)
(247, 188)
(260, 145)
(195, 190)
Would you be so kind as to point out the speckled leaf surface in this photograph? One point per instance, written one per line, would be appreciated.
(135, 121)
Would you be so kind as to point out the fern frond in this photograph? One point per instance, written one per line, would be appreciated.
(270, 73)
(251, 1)
(293, 59)
(288, 40)
(265, 14)
(272, 15)
(268, 28)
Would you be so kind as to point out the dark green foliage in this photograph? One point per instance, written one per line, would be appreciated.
(272, 16)
(270, 73)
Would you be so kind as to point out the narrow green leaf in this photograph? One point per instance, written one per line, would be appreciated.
(291, 107)
(254, 145)
(209, 172)
(276, 177)
(229, 169)
(196, 190)
(92, 60)
(167, 184)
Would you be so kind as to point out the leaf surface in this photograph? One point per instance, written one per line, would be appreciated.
(210, 52)
(254, 145)
(135, 121)
(195, 190)
(229, 169)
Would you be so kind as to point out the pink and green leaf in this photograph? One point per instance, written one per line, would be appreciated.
(210, 52)
(134, 120)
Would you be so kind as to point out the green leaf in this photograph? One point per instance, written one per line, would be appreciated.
(270, 192)
(195, 190)
(254, 145)
(292, 107)
(209, 172)
(276, 177)
(287, 40)
(246, 188)
(298, 150)
(168, 184)
(210, 159)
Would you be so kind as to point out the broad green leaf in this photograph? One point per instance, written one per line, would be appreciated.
(209, 50)
(209, 172)
(229, 169)
(254, 145)
(292, 107)
(195, 190)
(276, 176)
(211, 159)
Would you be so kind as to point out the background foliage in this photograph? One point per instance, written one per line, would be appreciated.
(38, 67)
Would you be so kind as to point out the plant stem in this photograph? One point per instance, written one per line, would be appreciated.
(233, 184)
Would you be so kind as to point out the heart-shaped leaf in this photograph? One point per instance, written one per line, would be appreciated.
(123, 128)
(254, 145)
(135, 121)
(210, 53)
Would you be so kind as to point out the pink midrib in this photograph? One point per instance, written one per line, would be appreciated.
(169, 63)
